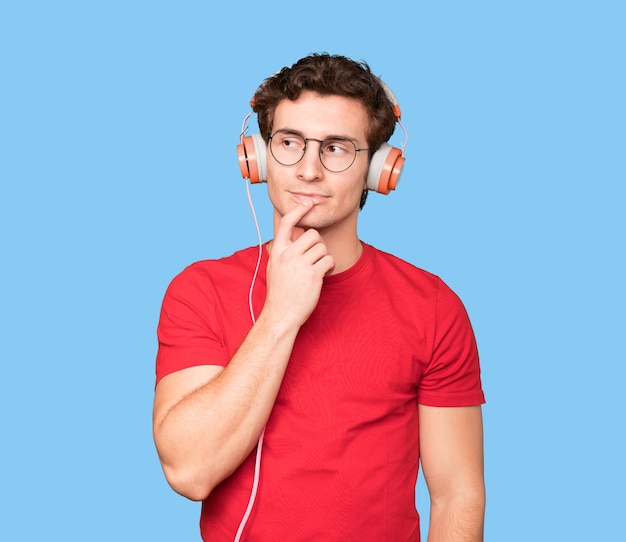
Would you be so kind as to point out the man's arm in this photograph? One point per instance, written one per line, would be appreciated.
(451, 452)
(207, 419)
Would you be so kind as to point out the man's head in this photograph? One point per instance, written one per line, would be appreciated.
(328, 75)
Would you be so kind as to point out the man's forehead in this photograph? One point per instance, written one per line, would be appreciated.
(326, 115)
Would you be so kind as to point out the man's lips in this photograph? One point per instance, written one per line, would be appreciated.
(302, 196)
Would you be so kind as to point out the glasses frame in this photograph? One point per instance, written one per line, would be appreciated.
(320, 152)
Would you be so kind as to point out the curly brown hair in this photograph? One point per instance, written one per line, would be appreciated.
(327, 75)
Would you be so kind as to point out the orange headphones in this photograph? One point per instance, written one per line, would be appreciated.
(385, 165)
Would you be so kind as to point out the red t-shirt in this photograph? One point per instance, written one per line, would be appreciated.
(340, 455)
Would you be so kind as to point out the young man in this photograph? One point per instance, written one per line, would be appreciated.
(349, 364)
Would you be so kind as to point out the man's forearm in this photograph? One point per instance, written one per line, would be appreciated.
(206, 435)
(458, 520)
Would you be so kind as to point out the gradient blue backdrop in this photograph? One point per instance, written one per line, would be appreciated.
(118, 126)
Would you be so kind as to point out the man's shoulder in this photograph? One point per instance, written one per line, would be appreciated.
(241, 257)
(407, 279)
(224, 268)
(396, 264)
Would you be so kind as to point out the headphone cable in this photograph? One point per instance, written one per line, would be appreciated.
(257, 463)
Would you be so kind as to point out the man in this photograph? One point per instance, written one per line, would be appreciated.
(347, 364)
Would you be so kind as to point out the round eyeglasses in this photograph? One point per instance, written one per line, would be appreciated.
(336, 153)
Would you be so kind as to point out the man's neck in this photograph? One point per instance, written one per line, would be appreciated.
(346, 249)
(340, 237)
(345, 252)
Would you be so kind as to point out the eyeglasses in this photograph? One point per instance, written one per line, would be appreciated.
(336, 153)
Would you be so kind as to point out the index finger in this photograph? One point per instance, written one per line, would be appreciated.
(289, 220)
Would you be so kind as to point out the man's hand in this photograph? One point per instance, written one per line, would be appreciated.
(298, 262)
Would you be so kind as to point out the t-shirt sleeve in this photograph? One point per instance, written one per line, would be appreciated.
(188, 330)
(452, 376)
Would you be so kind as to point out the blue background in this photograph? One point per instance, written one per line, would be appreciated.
(118, 127)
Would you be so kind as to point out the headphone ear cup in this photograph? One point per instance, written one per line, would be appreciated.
(385, 169)
(252, 154)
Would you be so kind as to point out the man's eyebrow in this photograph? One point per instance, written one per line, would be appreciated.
(290, 131)
(330, 136)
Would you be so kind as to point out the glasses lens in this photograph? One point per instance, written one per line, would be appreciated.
(337, 154)
(287, 148)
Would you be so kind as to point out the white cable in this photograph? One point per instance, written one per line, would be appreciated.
(255, 486)
(406, 135)
(258, 262)
(257, 463)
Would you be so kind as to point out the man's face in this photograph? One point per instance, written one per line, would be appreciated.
(336, 195)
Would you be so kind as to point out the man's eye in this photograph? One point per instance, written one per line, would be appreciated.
(336, 147)
(292, 144)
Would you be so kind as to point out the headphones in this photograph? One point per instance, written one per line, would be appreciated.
(385, 165)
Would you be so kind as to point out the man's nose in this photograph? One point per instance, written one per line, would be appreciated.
(310, 167)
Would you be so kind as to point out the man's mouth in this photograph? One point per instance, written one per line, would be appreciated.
(310, 196)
